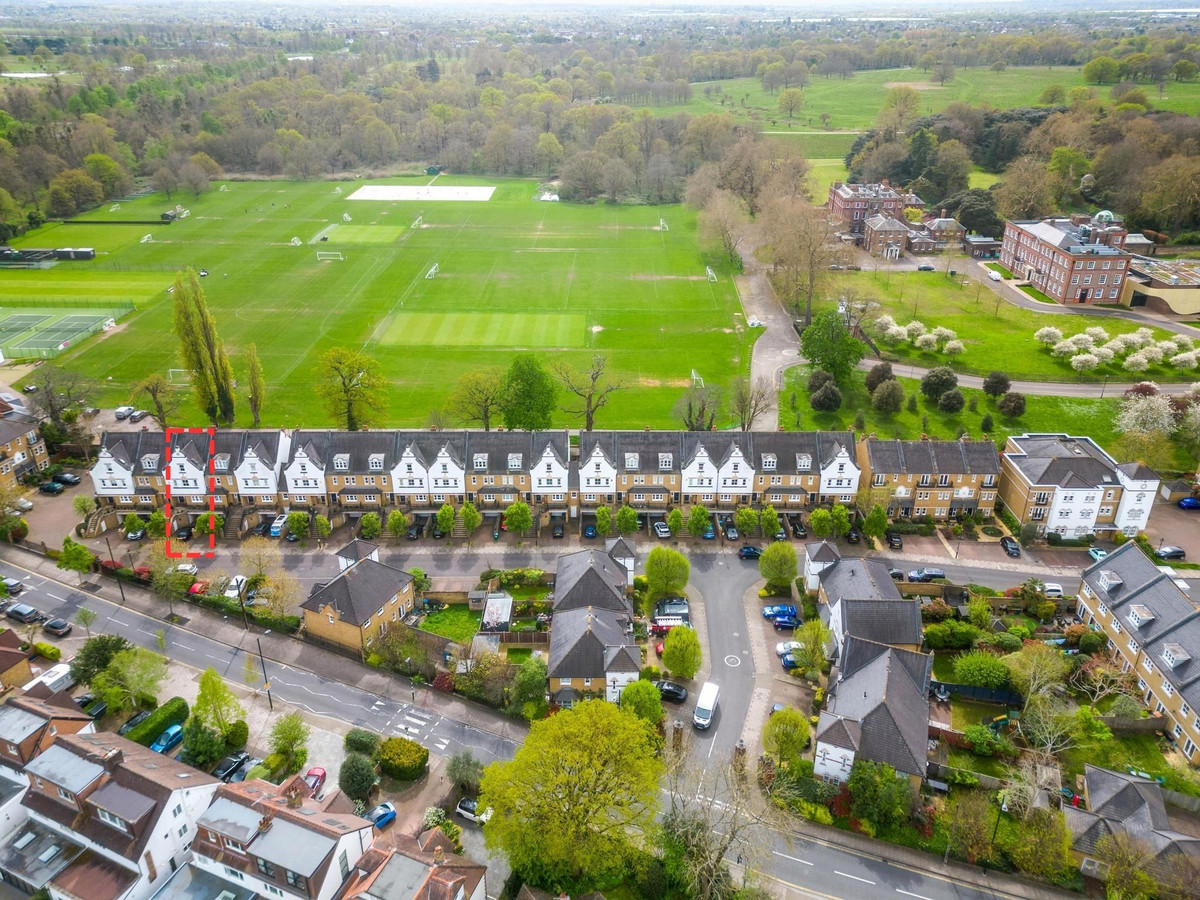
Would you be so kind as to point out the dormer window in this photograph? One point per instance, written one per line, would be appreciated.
(1109, 581)
(1140, 615)
(596, 469)
(631, 462)
(665, 462)
(115, 821)
(1174, 654)
(803, 462)
(150, 462)
(514, 461)
(221, 462)
(769, 462)
(479, 460)
(341, 461)
(375, 462)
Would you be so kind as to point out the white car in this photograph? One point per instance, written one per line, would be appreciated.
(22, 504)
(189, 568)
(236, 585)
(123, 412)
(787, 647)
(468, 808)
(1052, 590)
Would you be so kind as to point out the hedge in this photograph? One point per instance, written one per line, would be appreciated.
(260, 615)
(237, 735)
(174, 712)
(403, 759)
(359, 740)
(47, 651)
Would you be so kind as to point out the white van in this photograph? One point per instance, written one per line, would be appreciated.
(994, 275)
(706, 706)
(57, 678)
(1052, 591)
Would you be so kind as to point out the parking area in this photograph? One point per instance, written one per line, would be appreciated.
(1170, 525)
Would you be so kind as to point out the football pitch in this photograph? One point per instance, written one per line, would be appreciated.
(509, 274)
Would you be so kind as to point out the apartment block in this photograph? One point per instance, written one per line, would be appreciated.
(943, 479)
(1076, 260)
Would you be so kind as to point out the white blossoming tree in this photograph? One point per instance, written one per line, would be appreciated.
(1048, 335)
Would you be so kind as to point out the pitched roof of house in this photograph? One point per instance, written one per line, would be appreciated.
(399, 867)
(857, 578)
(933, 457)
(128, 448)
(357, 549)
(822, 551)
(1062, 460)
(885, 696)
(620, 548)
(886, 621)
(358, 592)
(590, 643)
(589, 578)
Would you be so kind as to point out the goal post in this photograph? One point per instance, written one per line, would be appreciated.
(416, 222)
(712, 276)
(179, 376)
(323, 255)
(432, 273)
(662, 225)
(697, 381)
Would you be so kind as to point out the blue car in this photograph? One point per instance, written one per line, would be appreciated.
(1189, 503)
(589, 531)
(381, 816)
(168, 740)
(779, 609)
(1097, 554)
(710, 533)
(788, 623)
(789, 662)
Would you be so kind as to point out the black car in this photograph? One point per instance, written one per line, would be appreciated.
(853, 536)
(183, 532)
(244, 769)
(895, 541)
(924, 576)
(1170, 553)
(50, 487)
(262, 529)
(556, 530)
(925, 268)
(91, 705)
(65, 478)
(134, 721)
(57, 627)
(781, 535)
(230, 764)
(137, 415)
(22, 613)
(671, 692)
(897, 574)
(438, 534)
(1011, 547)
(798, 529)
(416, 529)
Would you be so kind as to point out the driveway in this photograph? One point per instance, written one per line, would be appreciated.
(1171, 525)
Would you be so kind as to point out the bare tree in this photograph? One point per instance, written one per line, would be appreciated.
(803, 243)
(1099, 677)
(259, 554)
(1025, 782)
(591, 388)
(723, 220)
(750, 400)
(163, 397)
(698, 408)
(1048, 725)
(478, 396)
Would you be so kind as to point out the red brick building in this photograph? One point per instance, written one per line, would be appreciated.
(1076, 260)
(853, 204)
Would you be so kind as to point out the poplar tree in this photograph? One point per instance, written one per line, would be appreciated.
(258, 386)
(202, 350)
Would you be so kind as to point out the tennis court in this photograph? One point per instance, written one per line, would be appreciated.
(68, 328)
(15, 324)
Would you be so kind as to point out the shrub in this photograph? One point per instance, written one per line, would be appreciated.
(237, 735)
(403, 759)
(827, 399)
(1126, 707)
(937, 611)
(981, 740)
(888, 397)
(444, 682)
(356, 776)
(912, 403)
(951, 636)
(981, 669)
(1090, 643)
(952, 401)
(371, 526)
(650, 673)
(986, 424)
(1005, 642)
(818, 379)
(360, 740)
(1012, 405)
(173, 712)
(814, 812)
(47, 651)
(879, 373)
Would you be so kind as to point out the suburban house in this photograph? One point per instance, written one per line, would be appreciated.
(858, 598)
(818, 556)
(1075, 260)
(29, 725)
(22, 449)
(943, 479)
(400, 867)
(108, 819)
(361, 601)
(852, 204)
(877, 709)
(1069, 485)
(276, 842)
(430, 469)
(1120, 803)
(590, 579)
(15, 670)
(800, 469)
(1154, 630)
(945, 231)
(884, 236)
(592, 653)
(128, 473)
(623, 552)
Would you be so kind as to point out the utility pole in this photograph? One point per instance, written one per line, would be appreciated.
(266, 681)
(120, 583)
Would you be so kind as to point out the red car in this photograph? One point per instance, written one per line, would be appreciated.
(199, 587)
(314, 778)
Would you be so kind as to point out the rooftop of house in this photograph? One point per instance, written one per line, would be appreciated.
(192, 883)
(856, 578)
(1063, 460)
(359, 591)
(590, 578)
(885, 223)
(1077, 240)
(1172, 272)
(400, 867)
(590, 643)
(933, 457)
(15, 424)
(35, 853)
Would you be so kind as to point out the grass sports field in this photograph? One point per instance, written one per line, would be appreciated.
(513, 273)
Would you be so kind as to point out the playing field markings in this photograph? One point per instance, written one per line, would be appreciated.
(381, 329)
(570, 281)
(20, 322)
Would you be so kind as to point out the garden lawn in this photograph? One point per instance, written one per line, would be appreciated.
(983, 765)
(1129, 751)
(964, 713)
(567, 281)
(943, 665)
(517, 655)
(459, 623)
(997, 334)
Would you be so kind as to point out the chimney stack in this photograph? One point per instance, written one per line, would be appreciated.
(439, 856)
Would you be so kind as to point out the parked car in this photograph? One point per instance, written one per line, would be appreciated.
(731, 532)
(468, 808)
(66, 478)
(133, 721)
(1010, 546)
(414, 530)
(230, 764)
(123, 412)
(236, 585)
(12, 585)
(925, 268)
(183, 532)
(30, 389)
(778, 609)
(1096, 553)
(1169, 552)
(924, 576)
(1052, 590)
(897, 574)
(786, 623)
(200, 587)
(798, 529)
(189, 568)
(785, 647)
(381, 816)
(22, 612)
(291, 537)
(244, 769)
(168, 740)
(1189, 503)
(262, 529)
(853, 536)
(91, 705)
(137, 415)
(895, 541)
(781, 535)
(749, 552)
(589, 531)
(661, 530)
(22, 504)
(50, 487)
(710, 533)
(672, 606)
(789, 662)
(671, 692)
(556, 531)
(314, 778)
(277, 525)
(136, 534)
(438, 534)
(57, 627)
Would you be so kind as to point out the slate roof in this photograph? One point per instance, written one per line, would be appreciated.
(821, 446)
(498, 446)
(1062, 460)
(1175, 622)
(933, 457)
(590, 643)
(885, 621)
(357, 549)
(649, 446)
(822, 551)
(315, 445)
(884, 694)
(263, 441)
(620, 548)
(399, 867)
(360, 446)
(880, 222)
(590, 578)
(129, 447)
(359, 591)
(858, 579)
(426, 445)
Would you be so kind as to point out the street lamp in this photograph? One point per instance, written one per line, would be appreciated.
(120, 584)
(1003, 809)
(412, 685)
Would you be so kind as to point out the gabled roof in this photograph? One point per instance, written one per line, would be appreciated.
(590, 643)
(590, 578)
(620, 548)
(358, 592)
(314, 445)
(933, 457)
(857, 578)
(357, 549)
(264, 442)
(886, 621)
(1062, 460)
(128, 448)
(822, 552)
(426, 446)
(399, 867)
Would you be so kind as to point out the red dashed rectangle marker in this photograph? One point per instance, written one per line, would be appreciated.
(212, 500)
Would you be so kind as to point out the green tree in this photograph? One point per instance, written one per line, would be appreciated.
(75, 558)
(667, 573)
(785, 736)
(996, 384)
(574, 806)
(202, 350)
(478, 396)
(769, 519)
(132, 523)
(465, 771)
(626, 520)
(517, 517)
(298, 522)
(370, 526)
(288, 738)
(952, 401)
(876, 523)
(95, 655)
(675, 520)
(603, 521)
(397, 523)
(471, 517)
(746, 519)
(827, 398)
(84, 505)
(1036, 668)
(421, 581)
(814, 638)
(324, 529)
(257, 383)
(530, 394)
(880, 372)
(877, 794)
(643, 700)
(527, 694)
(1127, 859)
(352, 386)
(445, 518)
(698, 520)
(839, 518)
(85, 618)
(980, 669)
(216, 704)
(979, 612)
(1011, 405)
(888, 398)
(156, 525)
(1101, 70)
(681, 652)
(1042, 845)
(778, 564)
(356, 777)
(937, 381)
(202, 746)
(828, 344)
(820, 523)
(131, 678)
(791, 101)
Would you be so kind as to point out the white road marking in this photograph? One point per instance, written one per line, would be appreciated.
(855, 877)
(56, 597)
(910, 894)
(122, 624)
(792, 858)
(420, 722)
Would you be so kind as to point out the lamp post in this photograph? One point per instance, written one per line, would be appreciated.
(242, 602)
(412, 685)
(1003, 809)
(120, 584)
